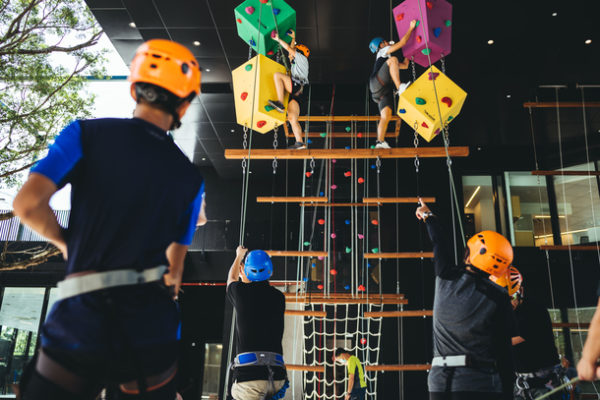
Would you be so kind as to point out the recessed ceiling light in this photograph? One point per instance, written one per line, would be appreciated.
(554, 14)
(508, 96)
(490, 41)
(233, 130)
(132, 24)
(196, 43)
(207, 69)
(588, 41)
(203, 158)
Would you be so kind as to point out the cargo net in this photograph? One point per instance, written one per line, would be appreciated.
(345, 327)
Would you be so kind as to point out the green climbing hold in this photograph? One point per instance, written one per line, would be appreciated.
(375, 250)
(323, 134)
(450, 118)
(426, 51)
(420, 101)
(348, 249)
(348, 129)
(307, 244)
(417, 24)
(269, 108)
(448, 22)
(372, 146)
(248, 67)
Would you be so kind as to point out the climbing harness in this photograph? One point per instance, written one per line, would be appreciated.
(263, 359)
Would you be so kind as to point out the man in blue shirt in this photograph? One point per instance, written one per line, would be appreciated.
(135, 203)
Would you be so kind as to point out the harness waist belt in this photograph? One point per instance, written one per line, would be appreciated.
(461, 361)
(262, 358)
(108, 279)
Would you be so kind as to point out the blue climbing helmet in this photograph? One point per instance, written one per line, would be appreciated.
(258, 266)
(374, 45)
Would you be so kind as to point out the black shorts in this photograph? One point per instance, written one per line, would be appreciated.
(297, 93)
(381, 87)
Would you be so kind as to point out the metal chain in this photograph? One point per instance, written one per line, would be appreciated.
(312, 165)
(378, 164)
(416, 143)
(249, 52)
(275, 142)
(245, 144)
(412, 66)
(443, 62)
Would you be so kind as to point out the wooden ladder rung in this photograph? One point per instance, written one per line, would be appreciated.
(306, 313)
(291, 199)
(308, 368)
(421, 254)
(566, 173)
(324, 300)
(583, 325)
(382, 200)
(347, 295)
(562, 104)
(576, 247)
(337, 205)
(291, 253)
(322, 154)
(399, 367)
(343, 118)
(407, 313)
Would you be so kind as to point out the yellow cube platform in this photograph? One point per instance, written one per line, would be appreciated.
(417, 106)
(249, 98)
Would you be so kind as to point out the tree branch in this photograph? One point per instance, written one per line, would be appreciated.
(36, 259)
(51, 49)
(9, 173)
(6, 215)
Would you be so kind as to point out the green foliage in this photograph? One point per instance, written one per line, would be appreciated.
(38, 94)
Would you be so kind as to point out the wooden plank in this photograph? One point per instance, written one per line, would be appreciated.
(343, 118)
(338, 205)
(345, 154)
(323, 300)
(291, 199)
(562, 104)
(399, 367)
(421, 254)
(308, 368)
(348, 295)
(304, 313)
(385, 200)
(394, 133)
(291, 253)
(566, 173)
(576, 247)
(407, 313)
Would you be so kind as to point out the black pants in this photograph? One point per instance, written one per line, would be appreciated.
(464, 396)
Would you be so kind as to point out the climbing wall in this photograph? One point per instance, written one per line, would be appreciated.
(418, 108)
(432, 37)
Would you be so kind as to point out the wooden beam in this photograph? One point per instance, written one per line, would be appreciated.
(348, 295)
(576, 247)
(305, 313)
(407, 313)
(566, 173)
(283, 253)
(400, 367)
(345, 154)
(388, 134)
(421, 254)
(562, 104)
(343, 118)
(395, 200)
(324, 300)
(583, 325)
(337, 205)
(307, 368)
(291, 199)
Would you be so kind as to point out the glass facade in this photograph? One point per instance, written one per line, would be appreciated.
(479, 209)
(212, 370)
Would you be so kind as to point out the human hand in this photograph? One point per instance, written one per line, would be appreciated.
(173, 280)
(421, 210)
(291, 33)
(347, 397)
(588, 370)
(413, 23)
(62, 246)
(240, 252)
(275, 36)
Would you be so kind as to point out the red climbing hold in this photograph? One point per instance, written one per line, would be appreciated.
(363, 341)
(320, 287)
(437, 131)
(429, 4)
(273, 33)
(419, 39)
(261, 123)
(374, 222)
(433, 75)
(321, 221)
(264, 1)
(361, 288)
(270, 53)
(308, 174)
(361, 180)
(348, 174)
(400, 17)
(424, 125)
(447, 100)
(359, 134)
(239, 21)
(333, 272)
(244, 95)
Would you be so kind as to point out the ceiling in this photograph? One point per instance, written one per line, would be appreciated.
(531, 48)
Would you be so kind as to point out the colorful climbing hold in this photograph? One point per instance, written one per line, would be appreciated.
(369, 265)
(418, 23)
(313, 265)
(321, 193)
(372, 146)
(375, 250)
(374, 222)
(400, 17)
(273, 33)
(244, 95)
(320, 258)
(308, 174)
(426, 51)
(347, 221)
(361, 288)
(347, 147)
(359, 134)
(252, 42)
(420, 101)
(448, 22)
(333, 235)
(239, 21)
(309, 141)
(348, 249)
(429, 4)
(249, 10)
(447, 101)
(333, 272)
(270, 53)
(402, 111)
(320, 287)
(248, 67)
(333, 187)
(437, 32)
(433, 75)
(347, 287)
(323, 134)
(437, 131)
(361, 236)
(424, 125)
(269, 108)
(361, 180)
(276, 11)
(450, 118)
(264, 1)
(261, 123)
(305, 279)
(348, 129)
(348, 174)
(307, 244)
(363, 341)
(334, 160)
(321, 221)
(373, 165)
(419, 39)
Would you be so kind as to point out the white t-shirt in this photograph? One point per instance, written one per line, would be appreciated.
(299, 68)
(383, 52)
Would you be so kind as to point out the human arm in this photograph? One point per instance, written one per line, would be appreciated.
(234, 270)
(404, 64)
(175, 255)
(587, 368)
(515, 340)
(32, 206)
(402, 42)
(443, 264)
(202, 220)
(350, 385)
(289, 48)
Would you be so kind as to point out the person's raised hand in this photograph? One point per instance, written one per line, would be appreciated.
(413, 24)
(240, 252)
(275, 37)
(421, 210)
(292, 33)
(588, 370)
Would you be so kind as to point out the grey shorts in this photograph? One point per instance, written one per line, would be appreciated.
(381, 87)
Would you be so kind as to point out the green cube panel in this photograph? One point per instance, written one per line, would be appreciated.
(248, 14)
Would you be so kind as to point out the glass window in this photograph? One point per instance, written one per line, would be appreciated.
(578, 203)
(529, 213)
(479, 211)
(212, 370)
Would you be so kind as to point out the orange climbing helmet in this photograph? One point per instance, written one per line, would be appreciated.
(168, 65)
(511, 280)
(490, 252)
(303, 49)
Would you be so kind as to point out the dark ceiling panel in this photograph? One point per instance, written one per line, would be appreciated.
(209, 42)
(116, 24)
(184, 13)
(219, 70)
(127, 48)
(154, 33)
(143, 13)
(104, 4)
